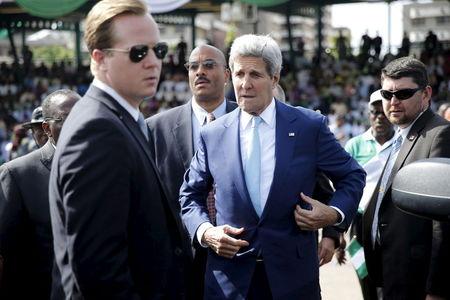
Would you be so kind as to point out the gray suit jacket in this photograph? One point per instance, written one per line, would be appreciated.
(414, 253)
(26, 241)
(172, 145)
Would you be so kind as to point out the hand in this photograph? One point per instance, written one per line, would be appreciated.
(221, 241)
(326, 250)
(340, 251)
(319, 216)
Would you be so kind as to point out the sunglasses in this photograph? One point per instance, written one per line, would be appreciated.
(400, 94)
(207, 64)
(139, 52)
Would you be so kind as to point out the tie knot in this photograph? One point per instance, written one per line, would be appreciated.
(256, 120)
(397, 143)
(210, 117)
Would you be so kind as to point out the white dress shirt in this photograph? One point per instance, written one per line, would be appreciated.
(266, 130)
(199, 118)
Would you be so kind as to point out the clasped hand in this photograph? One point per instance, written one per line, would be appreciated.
(319, 216)
(220, 239)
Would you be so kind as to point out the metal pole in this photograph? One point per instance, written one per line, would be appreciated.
(319, 33)
(78, 45)
(289, 30)
(389, 26)
(193, 36)
(11, 42)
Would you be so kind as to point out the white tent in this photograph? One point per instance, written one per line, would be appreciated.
(48, 37)
(163, 6)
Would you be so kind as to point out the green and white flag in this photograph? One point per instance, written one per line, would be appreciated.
(357, 259)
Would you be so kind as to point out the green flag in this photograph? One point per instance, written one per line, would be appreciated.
(357, 259)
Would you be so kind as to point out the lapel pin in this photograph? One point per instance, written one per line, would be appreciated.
(291, 134)
(411, 137)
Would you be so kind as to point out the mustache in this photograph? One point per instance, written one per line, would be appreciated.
(201, 78)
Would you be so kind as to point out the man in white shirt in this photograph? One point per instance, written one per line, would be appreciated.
(263, 160)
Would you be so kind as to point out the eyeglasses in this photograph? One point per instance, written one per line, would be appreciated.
(139, 52)
(400, 94)
(207, 64)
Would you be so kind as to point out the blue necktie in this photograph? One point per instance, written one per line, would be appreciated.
(142, 125)
(253, 166)
(383, 184)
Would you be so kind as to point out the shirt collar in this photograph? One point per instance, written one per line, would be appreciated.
(200, 113)
(268, 116)
(404, 131)
(368, 136)
(124, 103)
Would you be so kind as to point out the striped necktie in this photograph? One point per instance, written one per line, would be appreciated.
(383, 185)
(211, 200)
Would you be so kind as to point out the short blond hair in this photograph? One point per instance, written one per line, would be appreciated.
(99, 32)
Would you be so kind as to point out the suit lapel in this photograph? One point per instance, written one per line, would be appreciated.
(133, 127)
(409, 143)
(183, 134)
(232, 152)
(284, 149)
(47, 152)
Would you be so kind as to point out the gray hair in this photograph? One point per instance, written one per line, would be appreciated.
(48, 105)
(258, 46)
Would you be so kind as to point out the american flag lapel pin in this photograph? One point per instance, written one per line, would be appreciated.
(291, 134)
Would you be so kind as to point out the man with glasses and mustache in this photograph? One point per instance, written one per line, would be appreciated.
(116, 235)
(174, 135)
(25, 228)
(407, 257)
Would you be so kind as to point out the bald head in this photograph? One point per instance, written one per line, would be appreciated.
(220, 57)
(208, 75)
(55, 109)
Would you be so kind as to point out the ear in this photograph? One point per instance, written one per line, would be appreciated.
(275, 80)
(227, 75)
(426, 96)
(98, 56)
(46, 128)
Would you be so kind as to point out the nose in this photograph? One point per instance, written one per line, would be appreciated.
(246, 82)
(150, 60)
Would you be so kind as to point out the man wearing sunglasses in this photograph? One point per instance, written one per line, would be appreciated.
(116, 235)
(174, 133)
(25, 228)
(407, 257)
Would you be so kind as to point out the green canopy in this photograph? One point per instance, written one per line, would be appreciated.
(50, 8)
(263, 3)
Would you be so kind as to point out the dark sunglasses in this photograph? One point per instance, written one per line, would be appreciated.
(207, 64)
(400, 94)
(139, 52)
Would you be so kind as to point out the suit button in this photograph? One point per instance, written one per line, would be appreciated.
(178, 251)
(383, 225)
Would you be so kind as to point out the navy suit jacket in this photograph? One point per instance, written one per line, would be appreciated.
(304, 145)
(115, 234)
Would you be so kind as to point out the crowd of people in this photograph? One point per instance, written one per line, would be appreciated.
(190, 195)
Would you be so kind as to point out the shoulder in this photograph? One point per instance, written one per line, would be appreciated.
(22, 163)
(168, 116)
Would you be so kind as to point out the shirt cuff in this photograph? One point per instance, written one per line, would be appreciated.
(201, 230)
(339, 222)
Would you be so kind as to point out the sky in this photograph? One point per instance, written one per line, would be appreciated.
(373, 17)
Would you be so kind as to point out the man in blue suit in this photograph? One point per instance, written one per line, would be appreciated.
(263, 159)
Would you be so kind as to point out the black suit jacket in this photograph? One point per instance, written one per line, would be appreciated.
(172, 146)
(413, 256)
(25, 231)
(115, 234)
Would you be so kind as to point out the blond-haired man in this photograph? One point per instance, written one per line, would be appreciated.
(115, 234)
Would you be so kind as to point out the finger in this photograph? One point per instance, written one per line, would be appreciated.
(233, 230)
(306, 198)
